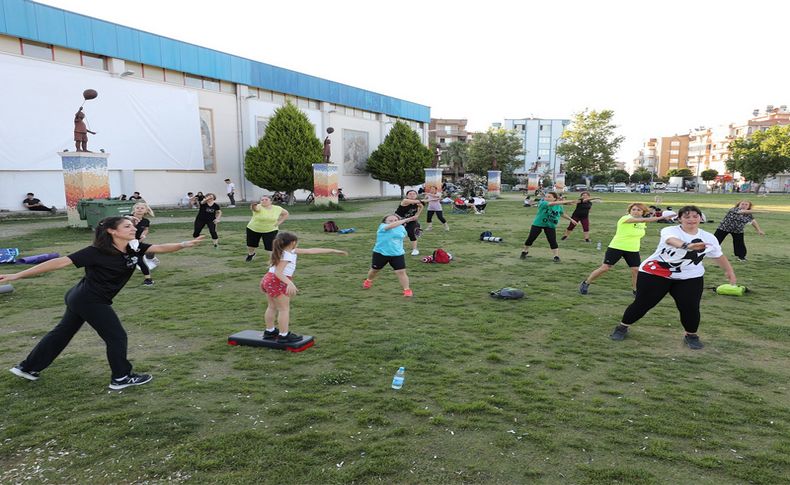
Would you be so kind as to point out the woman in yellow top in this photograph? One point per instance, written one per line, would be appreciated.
(624, 244)
(265, 223)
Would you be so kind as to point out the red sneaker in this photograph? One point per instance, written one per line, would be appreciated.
(408, 293)
(367, 284)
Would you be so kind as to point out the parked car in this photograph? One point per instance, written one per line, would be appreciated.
(600, 188)
(621, 187)
(659, 185)
(672, 188)
(579, 188)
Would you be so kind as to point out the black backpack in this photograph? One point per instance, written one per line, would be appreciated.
(330, 226)
(507, 294)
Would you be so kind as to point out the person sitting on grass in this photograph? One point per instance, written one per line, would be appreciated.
(31, 203)
(279, 286)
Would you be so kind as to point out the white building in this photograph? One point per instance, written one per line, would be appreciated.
(540, 138)
(175, 117)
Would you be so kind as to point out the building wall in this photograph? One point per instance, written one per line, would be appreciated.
(540, 138)
(234, 107)
(673, 153)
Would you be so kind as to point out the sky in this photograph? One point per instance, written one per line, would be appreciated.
(663, 67)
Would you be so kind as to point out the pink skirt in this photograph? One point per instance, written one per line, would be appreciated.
(272, 286)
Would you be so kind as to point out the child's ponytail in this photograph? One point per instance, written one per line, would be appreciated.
(281, 241)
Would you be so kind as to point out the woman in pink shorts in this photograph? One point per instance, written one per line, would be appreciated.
(279, 287)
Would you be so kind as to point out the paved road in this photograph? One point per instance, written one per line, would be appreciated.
(17, 228)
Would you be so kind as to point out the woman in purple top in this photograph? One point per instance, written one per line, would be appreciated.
(434, 199)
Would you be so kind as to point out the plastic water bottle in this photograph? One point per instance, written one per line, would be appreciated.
(598, 246)
(397, 381)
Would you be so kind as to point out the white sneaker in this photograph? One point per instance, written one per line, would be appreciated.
(415, 252)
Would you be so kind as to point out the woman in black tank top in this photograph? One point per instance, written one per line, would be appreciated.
(410, 207)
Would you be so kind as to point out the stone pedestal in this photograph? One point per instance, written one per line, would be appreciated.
(533, 182)
(433, 178)
(494, 183)
(85, 176)
(325, 183)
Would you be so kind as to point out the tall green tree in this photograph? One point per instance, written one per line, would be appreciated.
(619, 176)
(589, 144)
(456, 156)
(496, 149)
(283, 158)
(641, 175)
(708, 175)
(763, 155)
(401, 159)
(680, 172)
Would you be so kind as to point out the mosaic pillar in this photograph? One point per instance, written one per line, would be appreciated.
(494, 183)
(559, 182)
(533, 182)
(85, 176)
(325, 183)
(433, 178)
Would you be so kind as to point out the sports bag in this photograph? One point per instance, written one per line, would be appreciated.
(507, 294)
(330, 226)
(731, 290)
(441, 256)
(485, 234)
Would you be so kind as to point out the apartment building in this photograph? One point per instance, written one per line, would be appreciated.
(673, 152)
(540, 138)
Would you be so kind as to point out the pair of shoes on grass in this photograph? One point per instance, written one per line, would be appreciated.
(692, 340)
(368, 283)
(288, 338)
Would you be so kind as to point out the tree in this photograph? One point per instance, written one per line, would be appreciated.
(589, 144)
(641, 175)
(496, 149)
(763, 155)
(573, 178)
(680, 172)
(619, 176)
(456, 156)
(401, 159)
(284, 157)
(709, 175)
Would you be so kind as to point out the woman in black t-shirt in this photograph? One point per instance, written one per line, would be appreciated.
(108, 263)
(581, 214)
(411, 207)
(209, 215)
(141, 224)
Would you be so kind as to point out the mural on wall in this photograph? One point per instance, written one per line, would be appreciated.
(207, 138)
(355, 152)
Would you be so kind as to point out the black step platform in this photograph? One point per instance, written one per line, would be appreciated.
(254, 338)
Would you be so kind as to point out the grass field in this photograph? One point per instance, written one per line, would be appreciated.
(527, 391)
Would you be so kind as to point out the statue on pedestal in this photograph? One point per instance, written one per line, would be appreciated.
(80, 127)
(327, 145)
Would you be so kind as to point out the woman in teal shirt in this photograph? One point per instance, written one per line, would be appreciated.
(389, 250)
(546, 220)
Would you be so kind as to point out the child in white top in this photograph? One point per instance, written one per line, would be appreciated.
(279, 287)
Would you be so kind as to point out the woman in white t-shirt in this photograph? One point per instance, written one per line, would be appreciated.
(676, 268)
(279, 287)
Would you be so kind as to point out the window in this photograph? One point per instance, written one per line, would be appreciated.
(264, 95)
(675, 143)
(543, 152)
(313, 104)
(448, 129)
(93, 61)
(544, 140)
(674, 152)
(193, 81)
(211, 84)
(367, 115)
(278, 98)
(36, 49)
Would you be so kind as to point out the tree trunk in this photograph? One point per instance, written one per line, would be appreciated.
(291, 198)
(402, 193)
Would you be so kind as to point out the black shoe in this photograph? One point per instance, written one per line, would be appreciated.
(556, 259)
(584, 287)
(563, 238)
(270, 335)
(288, 338)
(619, 332)
(523, 255)
(742, 260)
(693, 342)
(587, 241)
(30, 375)
(249, 258)
(130, 380)
(148, 282)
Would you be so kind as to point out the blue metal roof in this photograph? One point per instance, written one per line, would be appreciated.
(50, 25)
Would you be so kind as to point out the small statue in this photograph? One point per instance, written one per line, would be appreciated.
(327, 145)
(81, 132)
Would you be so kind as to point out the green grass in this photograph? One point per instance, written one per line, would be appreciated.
(527, 391)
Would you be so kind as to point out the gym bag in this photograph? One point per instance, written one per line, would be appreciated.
(507, 294)
(441, 256)
(330, 226)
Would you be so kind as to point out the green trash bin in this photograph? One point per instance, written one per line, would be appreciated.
(94, 210)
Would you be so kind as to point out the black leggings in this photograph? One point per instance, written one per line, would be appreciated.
(411, 230)
(101, 317)
(551, 236)
(439, 216)
(651, 289)
(212, 228)
(738, 244)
